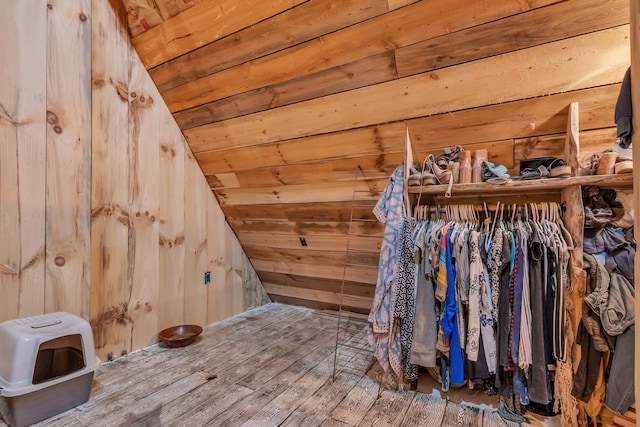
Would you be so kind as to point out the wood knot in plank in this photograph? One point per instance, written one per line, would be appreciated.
(8, 269)
(140, 100)
(82, 17)
(59, 261)
(170, 150)
(171, 243)
(147, 307)
(121, 90)
(115, 314)
(52, 118)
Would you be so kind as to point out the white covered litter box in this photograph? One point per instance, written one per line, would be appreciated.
(46, 366)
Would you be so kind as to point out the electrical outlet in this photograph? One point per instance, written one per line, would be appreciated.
(207, 277)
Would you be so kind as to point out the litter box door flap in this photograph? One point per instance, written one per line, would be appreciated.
(59, 357)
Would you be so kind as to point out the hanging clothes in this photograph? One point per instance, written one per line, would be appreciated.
(405, 305)
(385, 330)
(425, 336)
(478, 299)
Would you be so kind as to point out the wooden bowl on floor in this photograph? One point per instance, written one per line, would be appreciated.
(179, 336)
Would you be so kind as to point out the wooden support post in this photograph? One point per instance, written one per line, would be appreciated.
(635, 101)
(574, 222)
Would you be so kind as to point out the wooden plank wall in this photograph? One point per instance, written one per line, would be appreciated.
(104, 211)
(280, 107)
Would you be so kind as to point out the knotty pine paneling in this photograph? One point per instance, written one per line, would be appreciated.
(365, 259)
(397, 28)
(279, 122)
(329, 285)
(335, 272)
(591, 142)
(303, 227)
(22, 158)
(144, 206)
(202, 24)
(317, 298)
(383, 139)
(195, 243)
(171, 215)
(544, 25)
(101, 149)
(364, 72)
(68, 164)
(378, 166)
(307, 21)
(300, 193)
(315, 242)
(320, 211)
(517, 119)
(509, 77)
(110, 219)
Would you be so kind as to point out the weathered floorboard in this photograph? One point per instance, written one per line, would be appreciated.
(224, 380)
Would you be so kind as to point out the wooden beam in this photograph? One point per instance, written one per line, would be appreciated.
(503, 78)
(574, 222)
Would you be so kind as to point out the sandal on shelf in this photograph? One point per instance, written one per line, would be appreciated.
(494, 174)
(444, 176)
(417, 178)
(560, 172)
(625, 166)
(528, 174)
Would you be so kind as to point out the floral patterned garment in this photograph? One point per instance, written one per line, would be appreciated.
(385, 330)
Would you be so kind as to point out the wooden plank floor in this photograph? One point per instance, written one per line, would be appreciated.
(270, 366)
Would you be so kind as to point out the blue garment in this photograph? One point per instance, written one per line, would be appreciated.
(449, 321)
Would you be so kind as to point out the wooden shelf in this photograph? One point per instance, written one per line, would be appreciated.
(534, 186)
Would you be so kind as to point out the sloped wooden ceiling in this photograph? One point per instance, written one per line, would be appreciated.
(281, 100)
